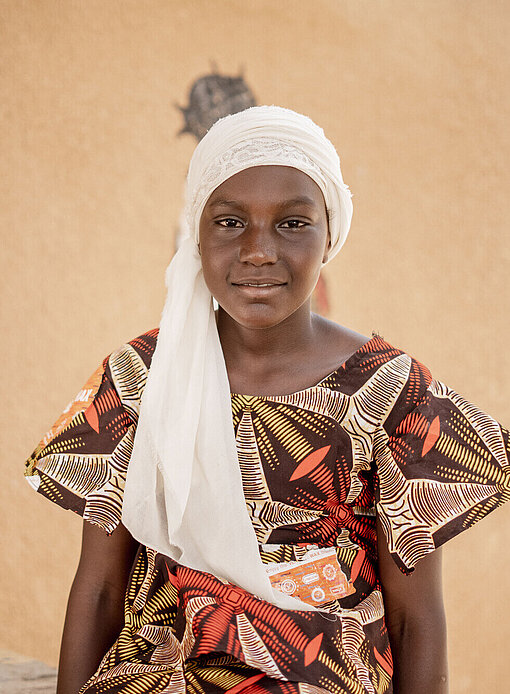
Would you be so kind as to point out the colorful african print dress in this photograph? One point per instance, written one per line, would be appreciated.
(377, 436)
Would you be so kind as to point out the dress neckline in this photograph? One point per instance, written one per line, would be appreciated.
(344, 366)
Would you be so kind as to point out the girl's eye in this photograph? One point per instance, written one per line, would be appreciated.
(229, 222)
(293, 224)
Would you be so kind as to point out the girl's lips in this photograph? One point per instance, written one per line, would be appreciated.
(258, 281)
(258, 289)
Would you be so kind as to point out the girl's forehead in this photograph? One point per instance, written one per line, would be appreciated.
(268, 181)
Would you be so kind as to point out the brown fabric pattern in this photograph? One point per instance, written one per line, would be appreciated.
(377, 436)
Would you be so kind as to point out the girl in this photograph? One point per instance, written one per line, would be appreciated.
(257, 482)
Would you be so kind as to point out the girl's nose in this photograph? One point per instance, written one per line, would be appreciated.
(258, 245)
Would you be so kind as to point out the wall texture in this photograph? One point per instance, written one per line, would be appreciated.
(414, 95)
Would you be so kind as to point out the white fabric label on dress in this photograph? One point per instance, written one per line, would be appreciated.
(316, 579)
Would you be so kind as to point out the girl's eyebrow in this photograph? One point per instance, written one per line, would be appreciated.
(226, 203)
(301, 200)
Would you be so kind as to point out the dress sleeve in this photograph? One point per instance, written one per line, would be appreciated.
(81, 463)
(442, 465)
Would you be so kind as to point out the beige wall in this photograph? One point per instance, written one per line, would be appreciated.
(414, 95)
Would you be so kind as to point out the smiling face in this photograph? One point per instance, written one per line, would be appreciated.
(263, 238)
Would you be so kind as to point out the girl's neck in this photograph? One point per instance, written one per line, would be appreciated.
(287, 357)
(241, 345)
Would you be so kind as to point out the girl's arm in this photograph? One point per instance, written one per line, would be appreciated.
(95, 610)
(416, 622)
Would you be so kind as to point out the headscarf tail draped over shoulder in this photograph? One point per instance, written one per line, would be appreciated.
(183, 494)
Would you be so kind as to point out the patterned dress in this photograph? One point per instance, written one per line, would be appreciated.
(378, 435)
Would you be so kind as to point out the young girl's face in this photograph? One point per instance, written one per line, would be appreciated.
(263, 237)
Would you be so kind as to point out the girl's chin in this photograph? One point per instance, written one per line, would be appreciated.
(257, 316)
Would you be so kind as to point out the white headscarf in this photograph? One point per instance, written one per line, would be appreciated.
(183, 495)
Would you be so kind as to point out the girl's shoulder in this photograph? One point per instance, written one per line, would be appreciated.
(365, 355)
(143, 346)
(81, 461)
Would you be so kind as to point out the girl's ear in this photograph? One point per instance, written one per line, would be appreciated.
(328, 248)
